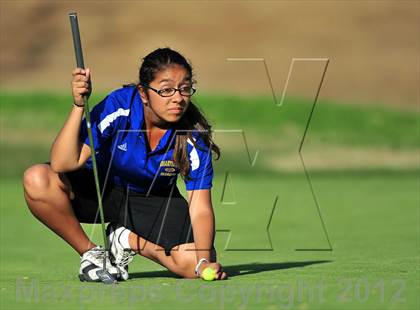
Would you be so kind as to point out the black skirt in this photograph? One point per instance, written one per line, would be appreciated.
(163, 220)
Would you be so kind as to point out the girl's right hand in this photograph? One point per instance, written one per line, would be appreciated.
(220, 274)
(81, 85)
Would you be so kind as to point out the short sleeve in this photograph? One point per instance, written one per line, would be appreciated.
(104, 119)
(201, 168)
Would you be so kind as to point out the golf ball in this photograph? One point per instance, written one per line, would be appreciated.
(208, 274)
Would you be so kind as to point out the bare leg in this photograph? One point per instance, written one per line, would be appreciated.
(48, 198)
(182, 260)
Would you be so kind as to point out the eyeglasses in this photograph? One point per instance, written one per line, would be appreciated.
(170, 91)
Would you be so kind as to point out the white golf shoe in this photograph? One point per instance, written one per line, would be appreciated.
(121, 253)
(91, 265)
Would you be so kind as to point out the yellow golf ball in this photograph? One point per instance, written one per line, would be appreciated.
(208, 274)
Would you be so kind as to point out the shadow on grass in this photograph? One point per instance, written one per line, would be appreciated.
(244, 269)
(235, 270)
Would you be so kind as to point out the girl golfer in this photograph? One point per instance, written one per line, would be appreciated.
(144, 136)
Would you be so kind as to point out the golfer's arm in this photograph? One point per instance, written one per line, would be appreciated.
(67, 152)
(202, 221)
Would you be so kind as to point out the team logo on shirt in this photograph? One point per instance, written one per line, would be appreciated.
(122, 147)
(168, 168)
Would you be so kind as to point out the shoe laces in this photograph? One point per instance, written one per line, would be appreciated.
(126, 257)
(98, 253)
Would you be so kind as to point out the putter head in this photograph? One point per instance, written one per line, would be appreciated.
(106, 277)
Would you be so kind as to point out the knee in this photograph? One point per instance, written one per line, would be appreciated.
(36, 180)
(187, 271)
(185, 261)
(185, 268)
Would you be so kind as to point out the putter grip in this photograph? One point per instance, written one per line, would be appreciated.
(76, 40)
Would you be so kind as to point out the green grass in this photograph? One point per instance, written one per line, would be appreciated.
(372, 224)
(371, 215)
(331, 123)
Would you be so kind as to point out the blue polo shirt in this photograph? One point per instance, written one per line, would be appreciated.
(122, 154)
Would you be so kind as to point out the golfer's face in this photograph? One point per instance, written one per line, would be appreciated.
(170, 108)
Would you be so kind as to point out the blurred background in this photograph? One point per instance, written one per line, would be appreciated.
(361, 150)
(373, 49)
(373, 46)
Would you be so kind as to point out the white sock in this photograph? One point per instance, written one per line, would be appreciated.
(124, 238)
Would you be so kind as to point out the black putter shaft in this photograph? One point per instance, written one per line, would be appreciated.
(80, 64)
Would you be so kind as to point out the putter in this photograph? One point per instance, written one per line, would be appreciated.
(103, 274)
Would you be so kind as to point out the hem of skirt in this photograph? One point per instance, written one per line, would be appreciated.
(165, 249)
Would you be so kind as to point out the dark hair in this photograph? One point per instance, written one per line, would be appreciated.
(193, 119)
